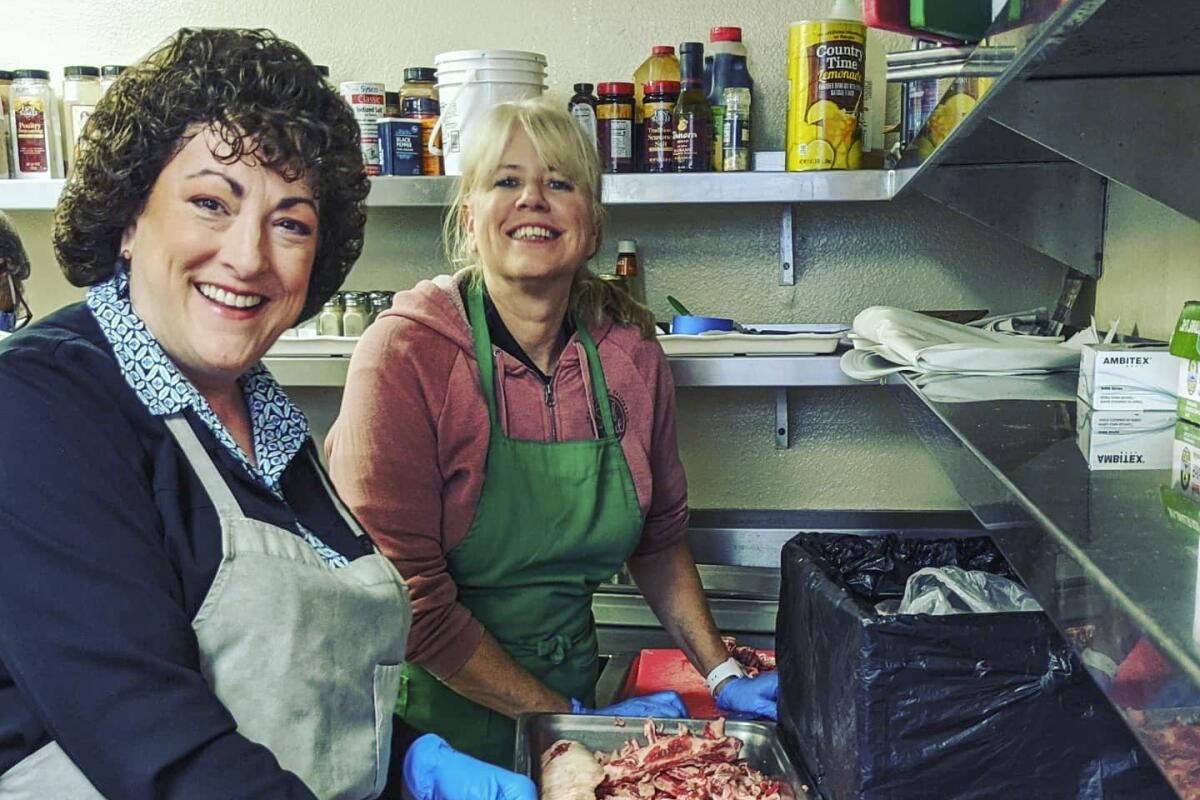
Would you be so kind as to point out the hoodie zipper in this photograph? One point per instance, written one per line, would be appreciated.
(549, 392)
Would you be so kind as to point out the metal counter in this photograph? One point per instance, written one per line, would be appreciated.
(1097, 548)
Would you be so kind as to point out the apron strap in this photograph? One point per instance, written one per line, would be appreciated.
(483, 348)
(487, 365)
(599, 385)
(349, 519)
(210, 477)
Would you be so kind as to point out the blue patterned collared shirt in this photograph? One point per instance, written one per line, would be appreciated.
(279, 428)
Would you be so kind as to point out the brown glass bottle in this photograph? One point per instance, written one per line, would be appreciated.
(693, 116)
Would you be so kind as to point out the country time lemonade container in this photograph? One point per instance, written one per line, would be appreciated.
(826, 65)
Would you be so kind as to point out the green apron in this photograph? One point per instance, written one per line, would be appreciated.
(554, 520)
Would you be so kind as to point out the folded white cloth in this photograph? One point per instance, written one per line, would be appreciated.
(888, 340)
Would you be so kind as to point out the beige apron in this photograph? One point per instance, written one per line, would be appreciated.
(324, 711)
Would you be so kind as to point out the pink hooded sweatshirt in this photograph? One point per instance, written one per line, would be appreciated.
(407, 451)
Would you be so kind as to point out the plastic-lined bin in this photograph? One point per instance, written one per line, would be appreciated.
(890, 707)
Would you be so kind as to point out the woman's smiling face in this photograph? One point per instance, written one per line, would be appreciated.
(220, 259)
(529, 222)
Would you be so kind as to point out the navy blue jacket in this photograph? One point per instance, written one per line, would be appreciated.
(108, 546)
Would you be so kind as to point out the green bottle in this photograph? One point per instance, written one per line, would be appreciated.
(693, 116)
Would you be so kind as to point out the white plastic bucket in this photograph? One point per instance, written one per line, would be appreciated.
(472, 81)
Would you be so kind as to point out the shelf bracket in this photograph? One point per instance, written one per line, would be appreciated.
(781, 419)
(787, 246)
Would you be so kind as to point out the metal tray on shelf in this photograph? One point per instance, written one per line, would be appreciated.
(761, 748)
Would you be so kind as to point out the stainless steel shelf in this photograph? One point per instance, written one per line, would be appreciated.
(750, 187)
(309, 371)
(23, 195)
(412, 192)
(762, 371)
(692, 371)
(629, 189)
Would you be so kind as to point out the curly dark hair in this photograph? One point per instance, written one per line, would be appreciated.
(267, 101)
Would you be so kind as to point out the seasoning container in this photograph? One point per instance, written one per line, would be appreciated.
(329, 321)
(380, 302)
(108, 74)
(693, 116)
(356, 313)
(735, 130)
(658, 129)
(81, 92)
(627, 268)
(583, 108)
(400, 146)
(391, 104)
(6, 159)
(614, 126)
(419, 100)
(33, 120)
(366, 101)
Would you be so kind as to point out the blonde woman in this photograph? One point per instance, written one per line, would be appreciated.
(507, 437)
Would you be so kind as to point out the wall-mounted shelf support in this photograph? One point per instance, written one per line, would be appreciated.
(782, 434)
(787, 246)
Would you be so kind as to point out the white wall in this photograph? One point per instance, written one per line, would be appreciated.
(851, 447)
(1151, 265)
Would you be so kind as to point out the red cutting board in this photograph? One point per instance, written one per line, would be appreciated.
(662, 670)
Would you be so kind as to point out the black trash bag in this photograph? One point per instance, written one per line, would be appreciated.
(960, 707)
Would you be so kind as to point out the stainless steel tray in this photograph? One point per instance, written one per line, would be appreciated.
(760, 746)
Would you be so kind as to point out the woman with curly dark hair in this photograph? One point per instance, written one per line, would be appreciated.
(186, 609)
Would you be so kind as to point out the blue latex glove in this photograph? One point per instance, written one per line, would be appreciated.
(435, 771)
(667, 705)
(751, 697)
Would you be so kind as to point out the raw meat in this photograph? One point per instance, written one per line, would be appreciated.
(570, 772)
(754, 661)
(683, 766)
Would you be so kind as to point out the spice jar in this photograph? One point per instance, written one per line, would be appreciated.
(81, 92)
(108, 74)
(627, 269)
(614, 126)
(6, 79)
(419, 100)
(583, 108)
(658, 107)
(356, 314)
(735, 130)
(33, 120)
(391, 104)
(329, 321)
(420, 83)
(380, 302)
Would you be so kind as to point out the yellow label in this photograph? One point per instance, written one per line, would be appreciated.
(826, 66)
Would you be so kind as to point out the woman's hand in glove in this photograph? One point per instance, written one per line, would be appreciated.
(660, 704)
(751, 697)
(435, 771)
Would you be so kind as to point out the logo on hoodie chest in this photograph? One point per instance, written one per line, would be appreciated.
(620, 415)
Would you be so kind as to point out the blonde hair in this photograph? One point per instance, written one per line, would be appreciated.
(559, 142)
